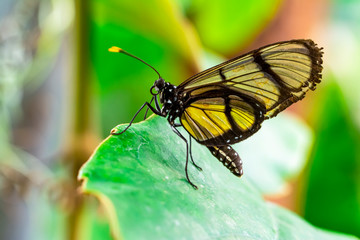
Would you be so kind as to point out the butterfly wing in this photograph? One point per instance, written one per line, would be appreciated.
(222, 117)
(276, 75)
(258, 84)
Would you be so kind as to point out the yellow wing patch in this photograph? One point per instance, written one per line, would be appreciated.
(243, 114)
(206, 119)
(210, 120)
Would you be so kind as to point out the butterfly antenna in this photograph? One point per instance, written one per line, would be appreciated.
(120, 50)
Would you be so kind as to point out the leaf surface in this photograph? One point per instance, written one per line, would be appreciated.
(139, 177)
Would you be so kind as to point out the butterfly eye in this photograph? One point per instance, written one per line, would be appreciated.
(159, 84)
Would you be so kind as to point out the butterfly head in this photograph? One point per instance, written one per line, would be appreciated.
(158, 87)
(159, 84)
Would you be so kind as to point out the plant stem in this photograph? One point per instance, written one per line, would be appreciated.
(78, 148)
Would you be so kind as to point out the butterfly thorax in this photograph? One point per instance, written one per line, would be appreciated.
(172, 103)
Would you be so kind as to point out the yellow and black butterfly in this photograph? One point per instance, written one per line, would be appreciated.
(227, 103)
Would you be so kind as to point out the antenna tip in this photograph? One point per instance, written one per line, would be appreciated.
(115, 49)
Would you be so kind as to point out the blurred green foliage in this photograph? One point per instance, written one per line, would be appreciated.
(332, 192)
(332, 198)
(226, 27)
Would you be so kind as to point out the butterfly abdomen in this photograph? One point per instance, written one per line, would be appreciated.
(229, 157)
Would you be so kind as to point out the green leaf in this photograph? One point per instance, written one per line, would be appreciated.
(333, 191)
(277, 153)
(227, 26)
(139, 177)
(290, 226)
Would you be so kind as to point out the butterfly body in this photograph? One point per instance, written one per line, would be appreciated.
(173, 104)
(227, 103)
(229, 158)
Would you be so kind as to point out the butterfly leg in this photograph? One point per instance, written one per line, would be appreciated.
(157, 112)
(187, 155)
(147, 109)
(191, 157)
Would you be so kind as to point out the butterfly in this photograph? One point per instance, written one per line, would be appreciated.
(227, 103)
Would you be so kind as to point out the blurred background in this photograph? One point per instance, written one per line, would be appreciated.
(61, 92)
